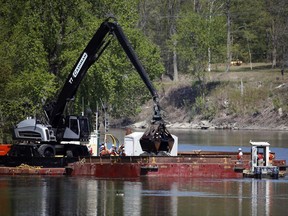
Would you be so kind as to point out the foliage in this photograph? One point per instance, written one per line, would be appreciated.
(207, 111)
(196, 33)
(248, 102)
(280, 100)
(40, 41)
(43, 44)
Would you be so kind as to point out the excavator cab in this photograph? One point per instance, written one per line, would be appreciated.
(76, 128)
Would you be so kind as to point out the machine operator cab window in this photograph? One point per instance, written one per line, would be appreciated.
(260, 153)
(84, 127)
(77, 128)
(72, 129)
(73, 125)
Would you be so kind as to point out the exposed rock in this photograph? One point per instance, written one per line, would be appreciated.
(178, 104)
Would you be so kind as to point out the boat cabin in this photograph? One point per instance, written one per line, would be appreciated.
(261, 161)
(260, 153)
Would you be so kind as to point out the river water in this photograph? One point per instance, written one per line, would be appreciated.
(40, 195)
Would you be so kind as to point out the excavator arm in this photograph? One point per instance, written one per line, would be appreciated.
(156, 138)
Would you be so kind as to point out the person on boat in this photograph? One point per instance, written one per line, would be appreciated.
(101, 147)
(104, 151)
(122, 152)
(240, 155)
(113, 150)
(113, 147)
(271, 157)
(120, 149)
(260, 159)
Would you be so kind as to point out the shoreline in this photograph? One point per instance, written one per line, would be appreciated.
(205, 125)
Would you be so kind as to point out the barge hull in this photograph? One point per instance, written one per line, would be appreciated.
(207, 166)
(193, 165)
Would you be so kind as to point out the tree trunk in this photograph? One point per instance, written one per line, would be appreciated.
(274, 42)
(209, 49)
(228, 15)
(175, 66)
(143, 16)
(173, 11)
(250, 55)
(209, 59)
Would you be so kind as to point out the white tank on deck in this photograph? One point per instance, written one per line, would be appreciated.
(93, 143)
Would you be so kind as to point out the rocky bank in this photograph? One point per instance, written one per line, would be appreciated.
(176, 101)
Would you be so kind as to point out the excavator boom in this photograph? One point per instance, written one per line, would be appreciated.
(155, 139)
(91, 53)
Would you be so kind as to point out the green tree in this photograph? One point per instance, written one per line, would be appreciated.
(42, 40)
(27, 81)
(277, 30)
(198, 31)
(158, 22)
(248, 30)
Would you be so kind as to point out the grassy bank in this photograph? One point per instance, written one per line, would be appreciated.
(243, 97)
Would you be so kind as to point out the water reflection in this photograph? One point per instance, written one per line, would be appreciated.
(154, 196)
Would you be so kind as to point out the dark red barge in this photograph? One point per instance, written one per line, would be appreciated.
(194, 164)
(188, 165)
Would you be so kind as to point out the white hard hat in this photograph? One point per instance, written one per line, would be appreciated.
(239, 149)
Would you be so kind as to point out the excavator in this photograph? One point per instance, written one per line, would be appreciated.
(67, 135)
